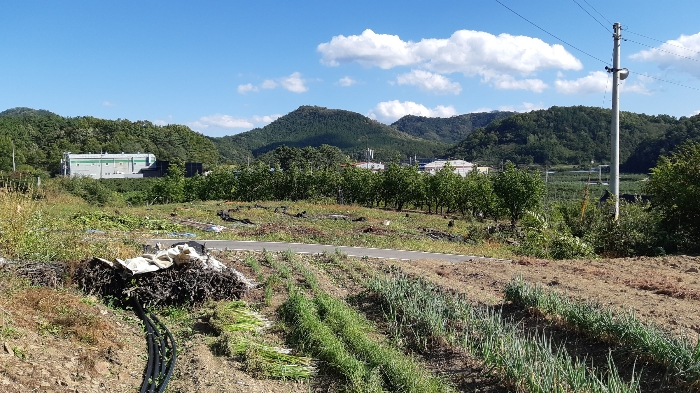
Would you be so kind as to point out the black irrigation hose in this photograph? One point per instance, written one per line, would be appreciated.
(158, 370)
(173, 355)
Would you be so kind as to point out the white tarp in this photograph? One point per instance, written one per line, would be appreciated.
(178, 255)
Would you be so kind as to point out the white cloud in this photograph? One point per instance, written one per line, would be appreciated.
(369, 49)
(162, 122)
(265, 119)
(107, 103)
(481, 110)
(231, 122)
(246, 88)
(599, 82)
(695, 113)
(294, 83)
(268, 84)
(390, 111)
(428, 81)
(468, 52)
(667, 55)
(346, 81)
(507, 82)
(594, 82)
(524, 107)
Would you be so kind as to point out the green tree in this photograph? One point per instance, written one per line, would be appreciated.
(475, 196)
(442, 188)
(400, 184)
(674, 186)
(518, 191)
(171, 188)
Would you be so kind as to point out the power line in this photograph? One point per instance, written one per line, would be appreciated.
(663, 42)
(607, 80)
(532, 23)
(589, 14)
(606, 19)
(662, 50)
(664, 80)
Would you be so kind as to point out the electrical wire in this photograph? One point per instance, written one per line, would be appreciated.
(532, 23)
(594, 18)
(607, 80)
(664, 80)
(606, 19)
(663, 42)
(662, 50)
(591, 56)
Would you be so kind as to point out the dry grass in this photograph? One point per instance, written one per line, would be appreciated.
(39, 229)
(61, 314)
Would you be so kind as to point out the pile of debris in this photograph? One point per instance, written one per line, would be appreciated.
(439, 235)
(226, 216)
(175, 276)
(44, 274)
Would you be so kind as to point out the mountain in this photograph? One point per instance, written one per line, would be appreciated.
(447, 130)
(26, 112)
(647, 153)
(559, 135)
(41, 137)
(314, 126)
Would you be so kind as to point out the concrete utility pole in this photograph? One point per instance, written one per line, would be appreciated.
(618, 75)
(13, 157)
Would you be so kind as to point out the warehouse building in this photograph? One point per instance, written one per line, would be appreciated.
(459, 167)
(106, 166)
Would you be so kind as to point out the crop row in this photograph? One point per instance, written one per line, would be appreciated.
(527, 361)
(678, 354)
(340, 336)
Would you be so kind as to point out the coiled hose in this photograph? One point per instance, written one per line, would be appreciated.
(162, 352)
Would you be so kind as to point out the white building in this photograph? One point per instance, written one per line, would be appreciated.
(373, 166)
(459, 167)
(106, 166)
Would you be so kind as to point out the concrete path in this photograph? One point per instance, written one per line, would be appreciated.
(301, 248)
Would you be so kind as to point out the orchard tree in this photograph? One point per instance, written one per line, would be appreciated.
(674, 187)
(518, 191)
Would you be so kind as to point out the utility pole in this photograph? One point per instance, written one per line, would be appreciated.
(13, 157)
(618, 75)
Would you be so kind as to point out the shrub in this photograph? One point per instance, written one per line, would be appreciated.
(91, 190)
(674, 186)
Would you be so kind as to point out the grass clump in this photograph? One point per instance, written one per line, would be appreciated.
(122, 222)
(234, 316)
(239, 331)
(263, 360)
(677, 353)
(527, 362)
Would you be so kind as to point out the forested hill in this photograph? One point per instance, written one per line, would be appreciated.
(40, 138)
(26, 112)
(560, 135)
(449, 130)
(647, 153)
(314, 126)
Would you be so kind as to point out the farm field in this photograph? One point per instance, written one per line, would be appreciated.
(523, 324)
(662, 290)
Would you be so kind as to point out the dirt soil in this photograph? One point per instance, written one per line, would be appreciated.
(665, 290)
(38, 357)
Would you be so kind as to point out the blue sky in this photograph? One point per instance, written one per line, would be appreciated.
(223, 67)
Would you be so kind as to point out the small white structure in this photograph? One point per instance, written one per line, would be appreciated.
(373, 166)
(459, 167)
(106, 166)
